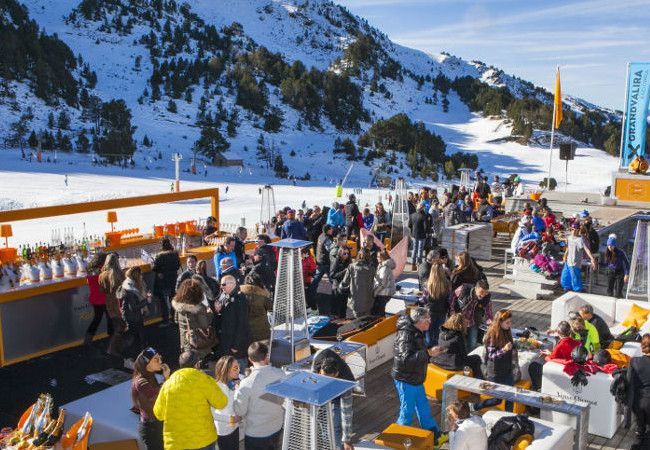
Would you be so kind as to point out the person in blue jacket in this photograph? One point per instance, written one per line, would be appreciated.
(335, 216)
(618, 268)
(292, 228)
(538, 222)
(227, 250)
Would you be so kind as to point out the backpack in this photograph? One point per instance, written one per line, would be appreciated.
(619, 386)
(620, 390)
(507, 430)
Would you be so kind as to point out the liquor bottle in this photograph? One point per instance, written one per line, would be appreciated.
(44, 417)
(57, 432)
(27, 427)
(42, 437)
(83, 429)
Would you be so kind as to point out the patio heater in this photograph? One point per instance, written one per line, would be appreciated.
(308, 416)
(639, 265)
(400, 213)
(464, 178)
(267, 207)
(289, 332)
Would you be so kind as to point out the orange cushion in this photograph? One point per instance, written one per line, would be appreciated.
(636, 317)
(619, 358)
(523, 442)
(393, 436)
(615, 345)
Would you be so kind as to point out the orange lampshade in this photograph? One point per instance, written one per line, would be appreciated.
(111, 216)
(6, 231)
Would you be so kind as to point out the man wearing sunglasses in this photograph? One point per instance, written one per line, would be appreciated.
(235, 328)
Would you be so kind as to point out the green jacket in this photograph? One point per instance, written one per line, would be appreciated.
(183, 404)
(592, 343)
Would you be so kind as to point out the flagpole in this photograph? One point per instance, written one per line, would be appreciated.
(550, 153)
(627, 81)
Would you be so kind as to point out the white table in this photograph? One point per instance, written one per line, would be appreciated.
(604, 417)
(577, 409)
(112, 418)
(404, 297)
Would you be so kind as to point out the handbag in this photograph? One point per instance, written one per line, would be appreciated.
(201, 338)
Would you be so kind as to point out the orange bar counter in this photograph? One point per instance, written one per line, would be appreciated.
(53, 315)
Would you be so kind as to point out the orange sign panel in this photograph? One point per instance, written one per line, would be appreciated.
(633, 190)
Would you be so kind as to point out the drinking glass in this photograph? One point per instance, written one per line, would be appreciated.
(407, 443)
(467, 371)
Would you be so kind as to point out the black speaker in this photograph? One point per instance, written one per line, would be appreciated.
(567, 152)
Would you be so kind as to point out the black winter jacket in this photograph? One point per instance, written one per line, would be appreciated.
(351, 212)
(165, 266)
(235, 326)
(411, 357)
(323, 247)
(337, 272)
(455, 351)
(420, 224)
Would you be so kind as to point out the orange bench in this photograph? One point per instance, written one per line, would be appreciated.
(436, 377)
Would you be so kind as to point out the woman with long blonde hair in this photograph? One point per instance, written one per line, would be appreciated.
(437, 292)
(226, 372)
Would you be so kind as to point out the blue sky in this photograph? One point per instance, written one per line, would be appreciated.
(591, 40)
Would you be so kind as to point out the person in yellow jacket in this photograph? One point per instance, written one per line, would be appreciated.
(183, 405)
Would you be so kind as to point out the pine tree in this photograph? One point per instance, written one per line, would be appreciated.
(20, 128)
(145, 141)
(412, 159)
(281, 171)
(435, 97)
(445, 104)
(233, 122)
(115, 141)
(171, 106)
(83, 144)
(262, 151)
(33, 140)
(211, 143)
(63, 120)
(50, 120)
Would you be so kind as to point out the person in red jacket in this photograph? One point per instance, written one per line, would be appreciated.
(96, 298)
(565, 345)
(308, 266)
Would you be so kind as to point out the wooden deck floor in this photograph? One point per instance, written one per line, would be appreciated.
(381, 406)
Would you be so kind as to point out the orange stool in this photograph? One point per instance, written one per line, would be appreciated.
(436, 377)
(394, 436)
(517, 408)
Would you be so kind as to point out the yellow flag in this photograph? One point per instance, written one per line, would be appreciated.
(558, 101)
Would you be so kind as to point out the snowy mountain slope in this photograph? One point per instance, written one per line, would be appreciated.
(315, 32)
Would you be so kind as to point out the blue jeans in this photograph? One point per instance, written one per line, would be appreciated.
(207, 447)
(471, 341)
(571, 278)
(338, 430)
(431, 336)
(412, 398)
(418, 249)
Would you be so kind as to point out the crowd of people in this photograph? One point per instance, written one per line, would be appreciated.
(224, 318)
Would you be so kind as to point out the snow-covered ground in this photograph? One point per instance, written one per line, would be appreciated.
(27, 184)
